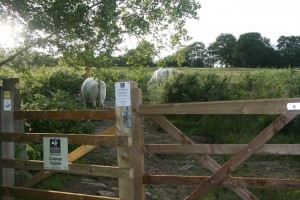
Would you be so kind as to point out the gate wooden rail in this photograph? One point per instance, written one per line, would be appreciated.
(241, 152)
(11, 132)
(89, 142)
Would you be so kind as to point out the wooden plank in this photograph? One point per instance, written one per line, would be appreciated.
(240, 157)
(137, 142)
(205, 159)
(7, 149)
(125, 154)
(48, 194)
(86, 139)
(274, 183)
(73, 156)
(273, 106)
(84, 169)
(66, 115)
(221, 149)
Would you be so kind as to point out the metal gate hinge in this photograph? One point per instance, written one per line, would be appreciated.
(127, 117)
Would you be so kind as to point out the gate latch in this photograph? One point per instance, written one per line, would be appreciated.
(127, 117)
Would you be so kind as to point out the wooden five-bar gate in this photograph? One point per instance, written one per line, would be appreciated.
(128, 136)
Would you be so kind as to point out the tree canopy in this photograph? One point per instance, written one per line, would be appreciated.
(253, 50)
(222, 49)
(196, 55)
(100, 25)
(289, 50)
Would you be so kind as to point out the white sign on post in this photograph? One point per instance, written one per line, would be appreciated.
(7, 101)
(7, 104)
(55, 153)
(293, 106)
(122, 92)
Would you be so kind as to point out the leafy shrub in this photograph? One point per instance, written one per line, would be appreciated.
(197, 87)
(267, 84)
(194, 87)
(66, 81)
(112, 75)
(61, 100)
(52, 90)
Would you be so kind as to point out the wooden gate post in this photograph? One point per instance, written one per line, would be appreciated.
(7, 125)
(137, 142)
(127, 121)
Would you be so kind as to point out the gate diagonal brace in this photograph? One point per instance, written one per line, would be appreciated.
(241, 156)
(205, 159)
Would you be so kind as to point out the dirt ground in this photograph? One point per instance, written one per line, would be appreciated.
(171, 165)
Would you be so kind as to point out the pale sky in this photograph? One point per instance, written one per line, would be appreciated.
(271, 18)
(6, 39)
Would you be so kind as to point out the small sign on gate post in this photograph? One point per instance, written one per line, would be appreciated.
(7, 103)
(293, 106)
(55, 153)
(122, 92)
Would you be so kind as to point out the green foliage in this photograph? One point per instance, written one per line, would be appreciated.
(268, 84)
(66, 81)
(168, 61)
(196, 55)
(196, 87)
(7, 73)
(253, 50)
(289, 50)
(99, 25)
(56, 182)
(61, 100)
(270, 194)
(112, 75)
(142, 55)
(223, 48)
(48, 89)
(34, 151)
(180, 56)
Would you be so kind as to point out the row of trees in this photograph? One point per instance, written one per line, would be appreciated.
(249, 50)
(86, 33)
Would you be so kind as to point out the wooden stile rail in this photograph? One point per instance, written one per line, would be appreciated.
(89, 142)
(284, 184)
(84, 169)
(66, 115)
(48, 195)
(221, 149)
(72, 138)
(266, 107)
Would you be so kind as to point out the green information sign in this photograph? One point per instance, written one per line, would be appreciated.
(55, 153)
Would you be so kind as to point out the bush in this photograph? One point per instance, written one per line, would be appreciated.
(200, 86)
(52, 90)
(193, 87)
(64, 80)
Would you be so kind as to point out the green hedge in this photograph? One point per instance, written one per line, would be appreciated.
(220, 85)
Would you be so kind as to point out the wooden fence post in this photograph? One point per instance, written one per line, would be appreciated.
(137, 142)
(126, 113)
(7, 125)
